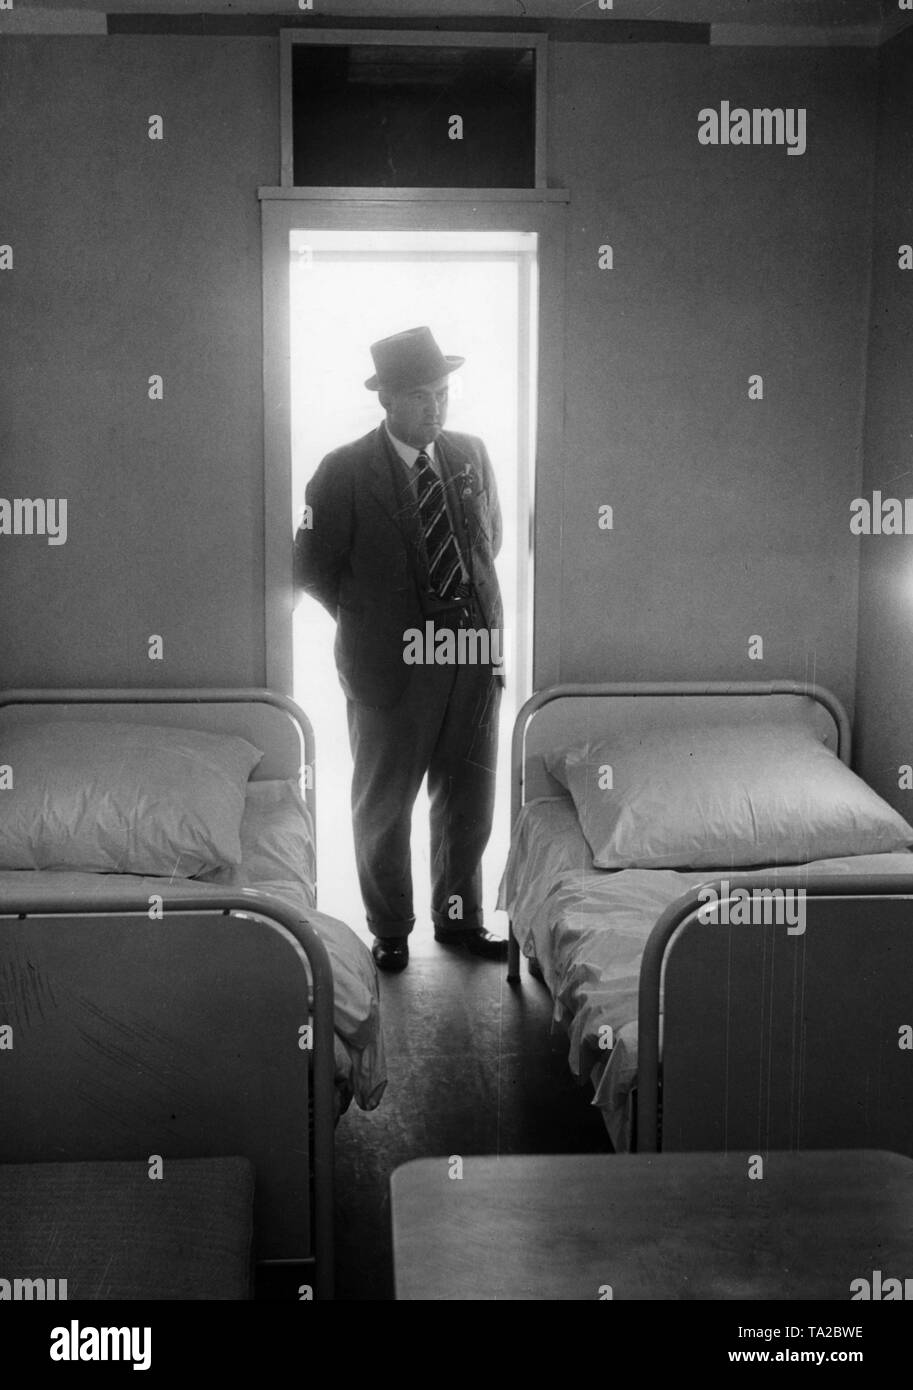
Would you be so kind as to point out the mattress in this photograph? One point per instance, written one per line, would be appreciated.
(586, 929)
(269, 831)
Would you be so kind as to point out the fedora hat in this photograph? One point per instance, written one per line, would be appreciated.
(409, 359)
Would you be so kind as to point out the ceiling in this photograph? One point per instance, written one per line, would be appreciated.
(813, 13)
(820, 22)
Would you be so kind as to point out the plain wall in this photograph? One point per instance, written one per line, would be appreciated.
(884, 732)
(134, 257)
(729, 514)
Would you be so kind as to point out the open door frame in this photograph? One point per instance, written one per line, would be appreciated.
(285, 210)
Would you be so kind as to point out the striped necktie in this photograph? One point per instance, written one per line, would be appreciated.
(445, 569)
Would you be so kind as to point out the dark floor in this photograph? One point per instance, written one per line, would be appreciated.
(473, 1068)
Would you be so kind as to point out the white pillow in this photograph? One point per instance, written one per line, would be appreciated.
(722, 795)
(122, 798)
(277, 841)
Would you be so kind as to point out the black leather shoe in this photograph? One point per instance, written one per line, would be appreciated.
(391, 952)
(477, 941)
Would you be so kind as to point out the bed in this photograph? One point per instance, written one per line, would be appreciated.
(201, 1007)
(703, 1026)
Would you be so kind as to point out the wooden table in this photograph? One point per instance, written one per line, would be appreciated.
(651, 1226)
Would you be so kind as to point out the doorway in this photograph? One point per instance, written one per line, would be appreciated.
(478, 292)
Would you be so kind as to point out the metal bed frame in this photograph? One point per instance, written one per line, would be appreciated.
(246, 905)
(786, 987)
(166, 696)
(795, 1046)
(646, 689)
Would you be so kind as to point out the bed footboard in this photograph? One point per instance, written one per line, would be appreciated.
(185, 1028)
(786, 1006)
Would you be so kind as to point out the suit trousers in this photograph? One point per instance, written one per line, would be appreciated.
(445, 726)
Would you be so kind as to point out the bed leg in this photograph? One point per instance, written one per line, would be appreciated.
(513, 957)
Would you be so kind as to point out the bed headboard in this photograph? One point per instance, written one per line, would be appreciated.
(268, 720)
(565, 714)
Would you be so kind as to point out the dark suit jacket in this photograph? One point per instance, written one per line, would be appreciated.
(363, 557)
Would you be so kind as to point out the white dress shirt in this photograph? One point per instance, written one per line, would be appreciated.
(408, 454)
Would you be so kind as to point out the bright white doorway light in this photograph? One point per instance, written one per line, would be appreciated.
(477, 291)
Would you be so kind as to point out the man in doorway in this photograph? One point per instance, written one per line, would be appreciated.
(399, 541)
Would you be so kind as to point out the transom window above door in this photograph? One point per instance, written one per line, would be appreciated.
(366, 109)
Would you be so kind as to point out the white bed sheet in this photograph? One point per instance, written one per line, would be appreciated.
(586, 928)
(359, 1045)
